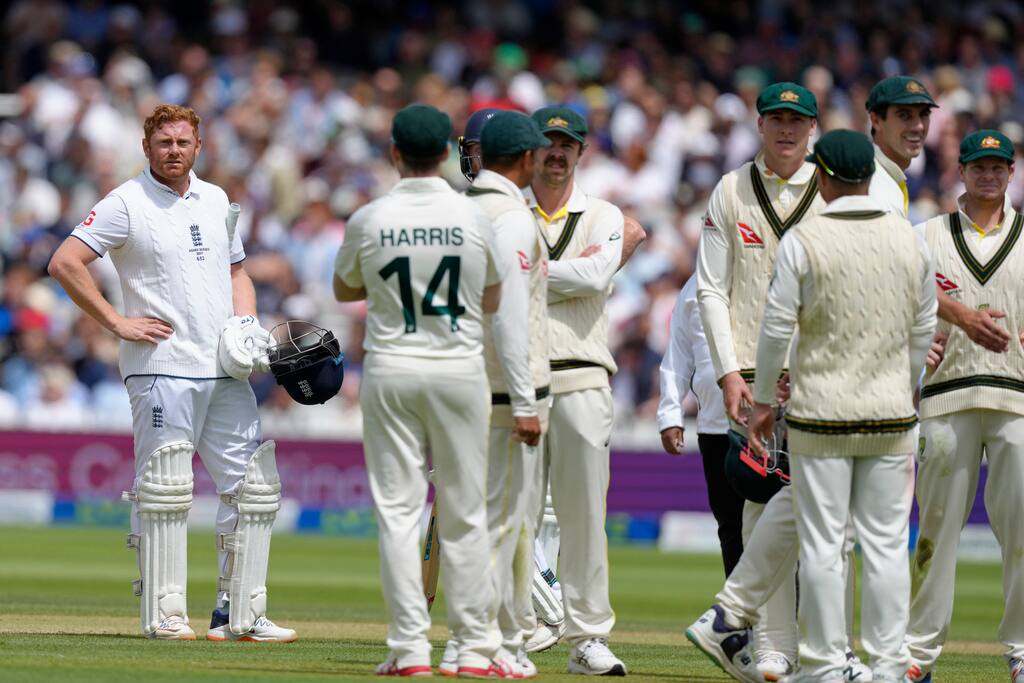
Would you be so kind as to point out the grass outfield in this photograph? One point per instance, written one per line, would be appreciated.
(67, 613)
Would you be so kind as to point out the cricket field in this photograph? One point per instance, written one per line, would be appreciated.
(67, 614)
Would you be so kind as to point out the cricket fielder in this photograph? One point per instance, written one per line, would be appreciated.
(516, 358)
(424, 258)
(858, 282)
(189, 339)
(687, 364)
(584, 241)
(972, 404)
(749, 211)
(900, 111)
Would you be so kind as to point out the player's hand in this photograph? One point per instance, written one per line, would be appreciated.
(738, 398)
(527, 430)
(258, 341)
(152, 330)
(590, 251)
(782, 389)
(983, 330)
(672, 440)
(937, 351)
(760, 428)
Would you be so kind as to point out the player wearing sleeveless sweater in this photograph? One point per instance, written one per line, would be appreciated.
(900, 111)
(516, 359)
(749, 211)
(972, 404)
(425, 260)
(586, 241)
(858, 282)
(185, 290)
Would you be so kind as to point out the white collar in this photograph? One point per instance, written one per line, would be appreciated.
(853, 202)
(422, 184)
(498, 182)
(577, 200)
(802, 176)
(192, 183)
(1008, 213)
(890, 166)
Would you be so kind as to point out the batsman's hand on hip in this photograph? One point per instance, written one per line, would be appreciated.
(526, 429)
(152, 330)
(672, 440)
(737, 397)
(760, 428)
(937, 351)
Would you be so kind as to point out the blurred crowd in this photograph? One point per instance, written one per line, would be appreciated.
(296, 104)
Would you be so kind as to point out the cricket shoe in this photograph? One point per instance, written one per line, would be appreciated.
(263, 631)
(545, 637)
(728, 647)
(504, 665)
(528, 668)
(173, 628)
(918, 675)
(392, 666)
(449, 660)
(773, 665)
(593, 658)
(1017, 670)
(856, 671)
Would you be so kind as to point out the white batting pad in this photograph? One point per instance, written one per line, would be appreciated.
(258, 501)
(163, 497)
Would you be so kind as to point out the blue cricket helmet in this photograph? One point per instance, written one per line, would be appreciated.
(307, 361)
(474, 126)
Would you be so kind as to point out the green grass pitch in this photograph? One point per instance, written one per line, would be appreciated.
(67, 614)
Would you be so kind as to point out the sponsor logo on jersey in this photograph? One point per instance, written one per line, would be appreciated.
(89, 219)
(197, 243)
(524, 261)
(158, 417)
(945, 284)
(749, 237)
(709, 223)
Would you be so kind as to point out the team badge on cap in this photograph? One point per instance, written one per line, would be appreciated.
(557, 122)
(990, 142)
(914, 87)
(789, 96)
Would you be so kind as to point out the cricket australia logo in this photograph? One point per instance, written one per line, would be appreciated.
(749, 237)
(198, 249)
(158, 417)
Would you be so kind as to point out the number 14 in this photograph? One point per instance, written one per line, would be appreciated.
(450, 265)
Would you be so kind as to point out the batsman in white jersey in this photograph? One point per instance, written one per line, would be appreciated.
(972, 405)
(424, 258)
(189, 341)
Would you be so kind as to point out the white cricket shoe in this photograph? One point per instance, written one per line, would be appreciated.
(1017, 670)
(502, 666)
(545, 637)
(173, 628)
(392, 666)
(263, 631)
(856, 671)
(773, 665)
(593, 658)
(528, 668)
(450, 659)
(724, 645)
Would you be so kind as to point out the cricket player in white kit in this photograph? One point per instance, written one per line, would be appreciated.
(972, 405)
(189, 340)
(584, 241)
(423, 257)
(858, 282)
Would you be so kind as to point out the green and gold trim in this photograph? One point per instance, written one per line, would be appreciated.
(983, 273)
(556, 250)
(856, 215)
(474, 191)
(506, 400)
(557, 365)
(779, 226)
(994, 381)
(749, 374)
(843, 427)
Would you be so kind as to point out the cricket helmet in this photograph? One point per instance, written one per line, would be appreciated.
(307, 361)
(754, 477)
(474, 127)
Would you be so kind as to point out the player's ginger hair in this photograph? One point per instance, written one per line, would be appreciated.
(168, 113)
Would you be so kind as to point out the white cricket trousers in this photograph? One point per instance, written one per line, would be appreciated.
(410, 405)
(947, 481)
(577, 455)
(761, 589)
(218, 416)
(513, 482)
(875, 492)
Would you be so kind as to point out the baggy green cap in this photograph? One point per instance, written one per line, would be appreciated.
(788, 96)
(898, 90)
(421, 131)
(845, 155)
(509, 133)
(561, 119)
(986, 143)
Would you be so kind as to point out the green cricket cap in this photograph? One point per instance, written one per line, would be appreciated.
(509, 133)
(788, 96)
(845, 155)
(561, 119)
(421, 131)
(986, 143)
(898, 90)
